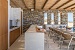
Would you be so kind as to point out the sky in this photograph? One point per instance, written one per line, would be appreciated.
(70, 17)
(45, 15)
(52, 16)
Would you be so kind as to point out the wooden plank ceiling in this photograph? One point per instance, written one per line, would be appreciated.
(44, 4)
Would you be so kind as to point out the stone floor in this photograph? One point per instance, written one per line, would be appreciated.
(50, 45)
(19, 44)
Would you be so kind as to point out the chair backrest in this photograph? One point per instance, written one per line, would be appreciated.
(70, 41)
(67, 36)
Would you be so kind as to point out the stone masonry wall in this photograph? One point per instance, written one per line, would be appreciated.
(64, 18)
(74, 19)
(37, 17)
(49, 18)
(33, 17)
(56, 17)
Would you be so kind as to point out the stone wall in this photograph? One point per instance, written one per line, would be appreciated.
(63, 13)
(74, 19)
(64, 18)
(49, 17)
(37, 17)
(33, 17)
(56, 17)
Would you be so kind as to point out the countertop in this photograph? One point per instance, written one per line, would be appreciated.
(32, 28)
(14, 28)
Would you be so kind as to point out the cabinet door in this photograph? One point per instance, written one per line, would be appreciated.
(3, 42)
(6, 18)
(0, 2)
(4, 3)
(6, 41)
(0, 17)
(0, 42)
(3, 24)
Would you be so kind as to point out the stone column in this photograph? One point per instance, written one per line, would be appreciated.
(49, 18)
(74, 19)
(64, 18)
(55, 17)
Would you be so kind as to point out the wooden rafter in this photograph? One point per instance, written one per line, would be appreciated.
(44, 4)
(73, 8)
(54, 4)
(14, 3)
(64, 4)
(34, 4)
(24, 4)
(69, 6)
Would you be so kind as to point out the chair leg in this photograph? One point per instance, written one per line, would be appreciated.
(72, 47)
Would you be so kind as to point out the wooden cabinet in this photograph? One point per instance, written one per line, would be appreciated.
(3, 24)
(0, 42)
(14, 35)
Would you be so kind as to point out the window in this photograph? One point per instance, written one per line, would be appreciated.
(45, 18)
(52, 18)
(70, 19)
(58, 18)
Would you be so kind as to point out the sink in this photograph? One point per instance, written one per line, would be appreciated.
(12, 27)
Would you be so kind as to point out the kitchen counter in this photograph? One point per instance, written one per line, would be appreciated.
(34, 40)
(14, 34)
(32, 28)
(14, 28)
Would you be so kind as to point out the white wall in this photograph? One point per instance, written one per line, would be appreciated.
(15, 13)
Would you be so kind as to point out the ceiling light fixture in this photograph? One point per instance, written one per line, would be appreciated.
(32, 9)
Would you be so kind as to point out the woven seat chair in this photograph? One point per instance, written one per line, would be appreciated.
(68, 44)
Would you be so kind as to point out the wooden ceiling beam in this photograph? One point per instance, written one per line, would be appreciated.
(34, 4)
(14, 3)
(64, 4)
(54, 4)
(44, 4)
(73, 8)
(24, 4)
(69, 6)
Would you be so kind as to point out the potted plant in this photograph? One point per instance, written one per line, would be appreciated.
(17, 20)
